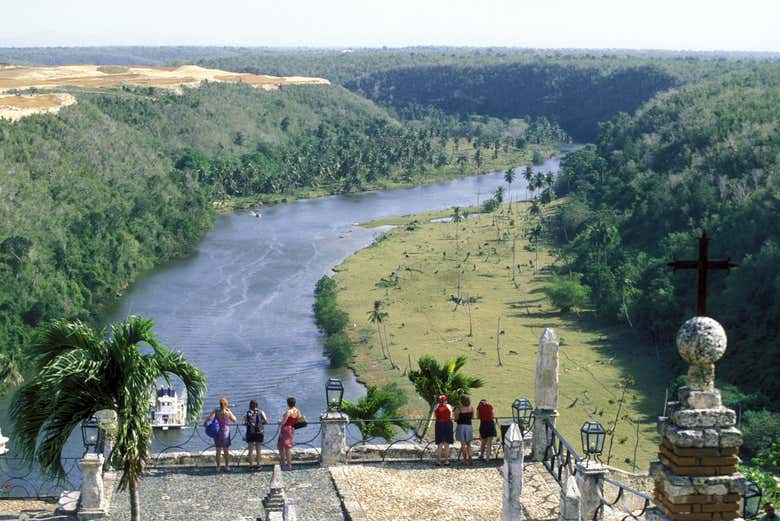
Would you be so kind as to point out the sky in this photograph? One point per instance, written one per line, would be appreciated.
(739, 25)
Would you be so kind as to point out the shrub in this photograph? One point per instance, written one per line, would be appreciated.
(339, 348)
(568, 292)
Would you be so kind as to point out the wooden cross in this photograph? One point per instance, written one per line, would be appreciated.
(702, 264)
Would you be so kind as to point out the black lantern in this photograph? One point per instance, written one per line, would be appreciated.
(751, 501)
(593, 436)
(92, 435)
(334, 394)
(522, 413)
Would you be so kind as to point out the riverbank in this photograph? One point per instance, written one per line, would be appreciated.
(430, 176)
(425, 263)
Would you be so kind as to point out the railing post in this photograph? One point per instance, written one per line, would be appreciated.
(570, 501)
(513, 474)
(93, 499)
(545, 392)
(334, 438)
(590, 481)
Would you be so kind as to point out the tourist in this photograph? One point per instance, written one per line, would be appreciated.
(487, 429)
(222, 439)
(254, 419)
(769, 508)
(286, 433)
(465, 433)
(443, 413)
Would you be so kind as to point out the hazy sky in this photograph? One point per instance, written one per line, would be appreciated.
(658, 24)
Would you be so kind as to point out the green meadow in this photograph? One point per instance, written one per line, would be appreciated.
(415, 268)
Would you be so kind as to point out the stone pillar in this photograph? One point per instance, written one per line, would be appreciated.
(513, 474)
(590, 481)
(334, 438)
(570, 501)
(696, 478)
(545, 392)
(93, 499)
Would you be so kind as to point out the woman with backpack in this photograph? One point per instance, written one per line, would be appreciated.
(254, 419)
(222, 440)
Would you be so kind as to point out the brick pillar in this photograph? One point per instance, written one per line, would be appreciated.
(696, 477)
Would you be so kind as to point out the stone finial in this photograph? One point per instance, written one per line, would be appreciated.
(701, 342)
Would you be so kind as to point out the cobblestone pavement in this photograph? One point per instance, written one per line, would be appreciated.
(195, 494)
(414, 491)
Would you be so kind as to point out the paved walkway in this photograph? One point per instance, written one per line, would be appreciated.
(415, 491)
(201, 494)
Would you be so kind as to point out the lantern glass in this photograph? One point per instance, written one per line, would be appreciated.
(92, 435)
(522, 412)
(334, 394)
(593, 435)
(751, 500)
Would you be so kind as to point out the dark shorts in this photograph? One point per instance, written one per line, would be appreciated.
(257, 437)
(487, 429)
(444, 432)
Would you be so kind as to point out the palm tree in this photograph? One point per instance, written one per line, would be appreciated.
(78, 372)
(432, 380)
(528, 175)
(457, 218)
(377, 316)
(509, 177)
(379, 403)
(499, 195)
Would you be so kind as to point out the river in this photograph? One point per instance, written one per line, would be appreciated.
(240, 307)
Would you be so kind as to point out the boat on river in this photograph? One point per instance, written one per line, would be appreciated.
(168, 411)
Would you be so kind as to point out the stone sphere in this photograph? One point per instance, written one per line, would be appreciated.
(701, 340)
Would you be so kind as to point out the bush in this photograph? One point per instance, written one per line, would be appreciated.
(339, 348)
(331, 320)
(568, 292)
(759, 429)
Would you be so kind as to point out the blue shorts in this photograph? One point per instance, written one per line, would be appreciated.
(444, 432)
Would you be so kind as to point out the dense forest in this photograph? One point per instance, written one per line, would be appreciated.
(704, 157)
(127, 178)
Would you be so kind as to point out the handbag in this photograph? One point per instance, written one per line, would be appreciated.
(212, 428)
(300, 423)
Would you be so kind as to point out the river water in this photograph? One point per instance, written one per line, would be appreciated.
(240, 307)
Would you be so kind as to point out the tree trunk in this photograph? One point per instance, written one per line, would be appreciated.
(468, 307)
(498, 334)
(135, 501)
(381, 343)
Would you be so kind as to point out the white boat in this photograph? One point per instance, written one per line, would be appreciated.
(168, 410)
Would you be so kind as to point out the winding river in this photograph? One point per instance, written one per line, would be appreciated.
(240, 307)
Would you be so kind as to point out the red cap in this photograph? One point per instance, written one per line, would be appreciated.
(442, 398)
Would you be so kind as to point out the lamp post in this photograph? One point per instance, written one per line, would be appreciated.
(334, 394)
(92, 435)
(593, 436)
(522, 413)
(751, 501)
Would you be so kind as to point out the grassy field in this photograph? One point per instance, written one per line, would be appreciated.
(426, 257)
